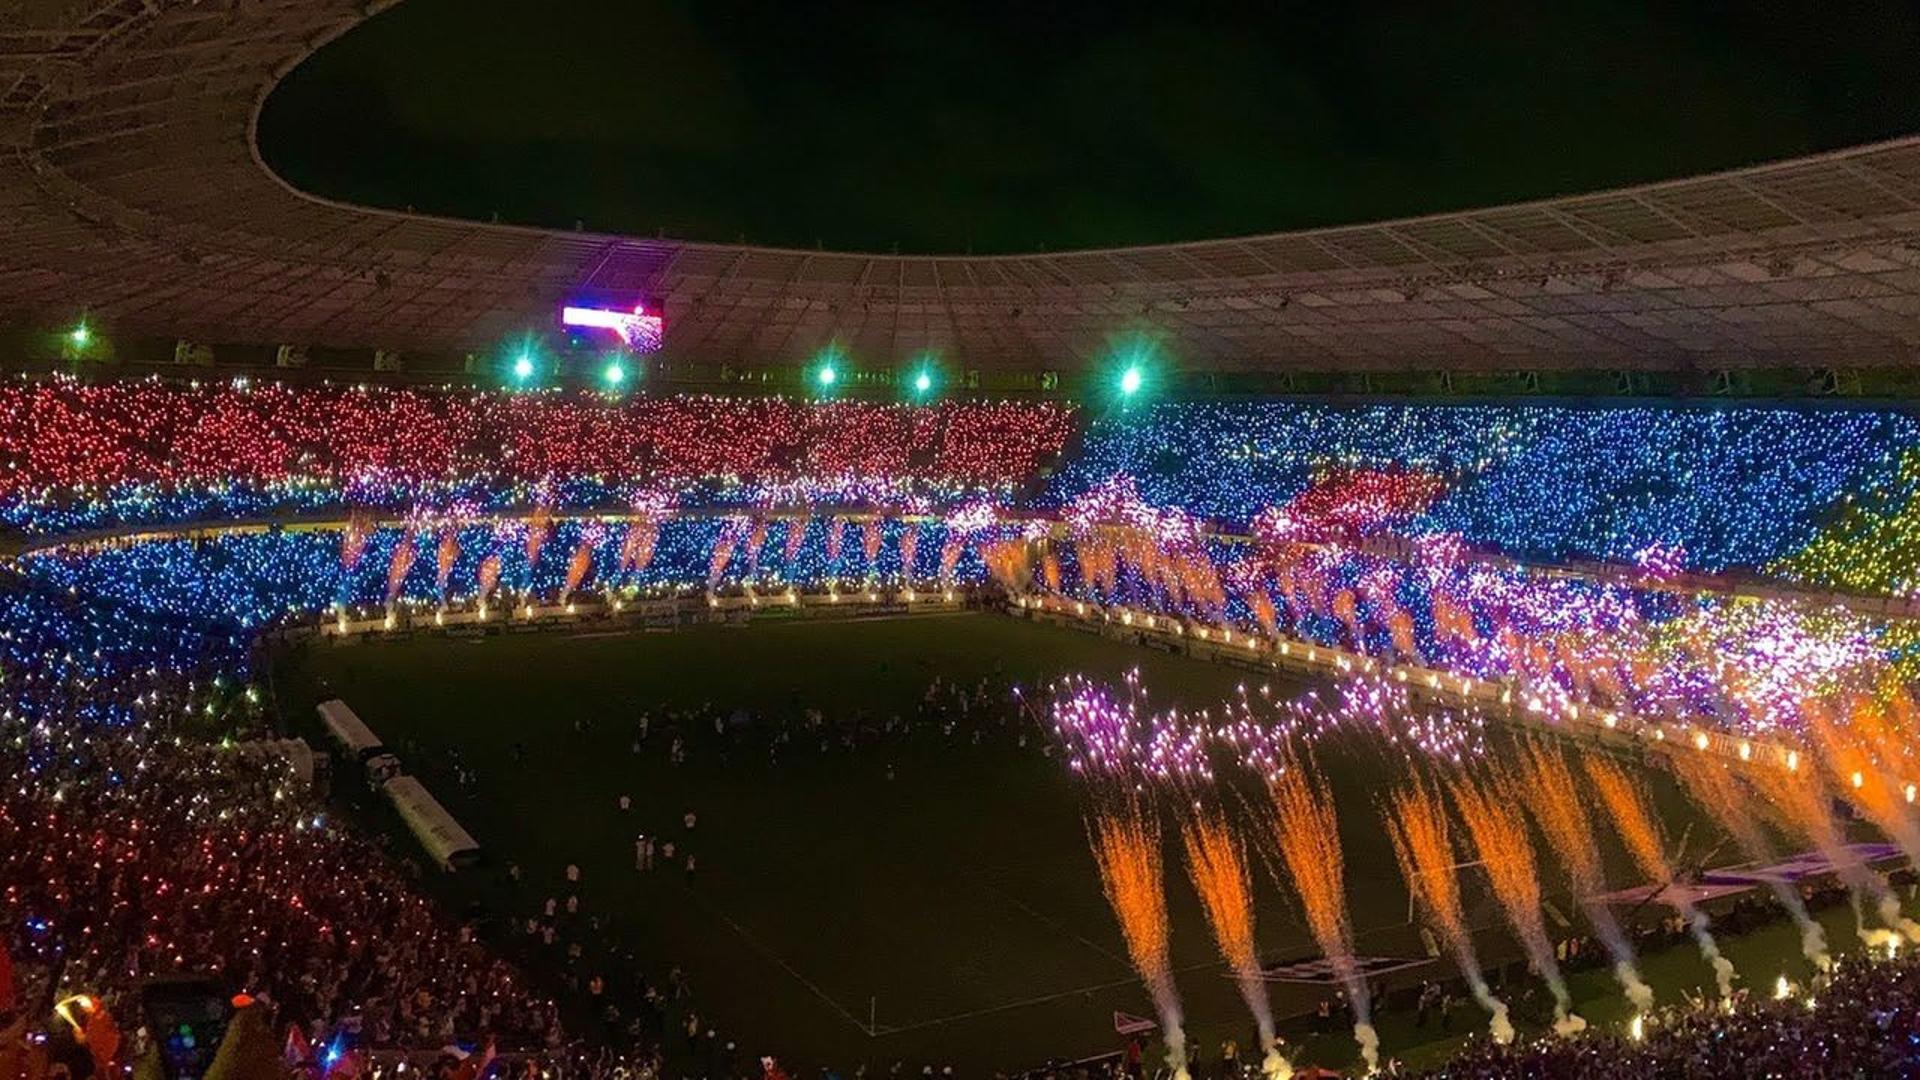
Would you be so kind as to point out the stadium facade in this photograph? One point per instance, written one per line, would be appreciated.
(131, 187)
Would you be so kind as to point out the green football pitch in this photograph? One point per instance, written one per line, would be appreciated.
(929, 899)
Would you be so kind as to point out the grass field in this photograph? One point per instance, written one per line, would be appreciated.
(949, 913)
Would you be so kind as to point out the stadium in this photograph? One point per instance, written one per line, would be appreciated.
(1477, 643)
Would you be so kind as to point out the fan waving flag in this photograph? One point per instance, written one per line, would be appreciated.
(1129, 1024)
(298, 1051)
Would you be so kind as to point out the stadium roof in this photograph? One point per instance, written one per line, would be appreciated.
(130, 186)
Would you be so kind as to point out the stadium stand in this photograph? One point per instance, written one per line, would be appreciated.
(160, 534)
(133, 189)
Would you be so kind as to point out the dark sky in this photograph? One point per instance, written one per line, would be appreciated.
(995, 125)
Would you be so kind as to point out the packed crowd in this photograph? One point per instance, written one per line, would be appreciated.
(1631, 646)
(135, 856)
(76, 455)
(1738, 665)
(68, 434)
(135, 839)
(1862, 1020)
(144, 832)
(148, 832)
(1734, 487)
(252, 579)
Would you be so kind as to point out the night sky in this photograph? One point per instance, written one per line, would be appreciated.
(996, 126)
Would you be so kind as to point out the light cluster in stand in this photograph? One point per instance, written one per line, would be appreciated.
(144, 451)
(248, 580)
(1376, 530)
(1735, 486)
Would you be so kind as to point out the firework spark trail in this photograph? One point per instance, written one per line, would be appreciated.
(1126, 847)
(1417, 824)
(1887, 719)
(1850, 758)
(1546, 785)
(488, 577)
(353, 542)
(1500, 841)
(578, 565)
(1306, 830)
(794, 537)
(403, 557)
(1632, 815)
(1217, 863)
(539, 524)
(636, 550)
(1716, 790)
(1875, 795)
(1803, 804)
(445, 556)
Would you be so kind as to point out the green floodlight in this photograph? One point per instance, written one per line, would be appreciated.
(522, 367)
(1134, 364)
(615, 373)
(824, 369)
(80, 336)
(923, 383)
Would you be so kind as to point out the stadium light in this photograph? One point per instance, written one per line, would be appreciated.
(615, 373)
(824, 370)
(523, 367)
(80, 335)
(1133, 363)
(925, 378)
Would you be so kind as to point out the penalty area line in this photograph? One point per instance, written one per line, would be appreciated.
(1039, 916)
(1008, 1006)
(793, 972)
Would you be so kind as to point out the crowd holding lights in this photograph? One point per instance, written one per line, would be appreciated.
(251, 580)
(1857, 1021)
(145, 855)
(65, 445)
(1316, 573)
(1739, 665)
(1728, 488)
(1735, 487)
(1361, 527)
(137, 838)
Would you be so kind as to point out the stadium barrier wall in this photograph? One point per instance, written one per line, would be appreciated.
(658, 613)
(42, 352)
